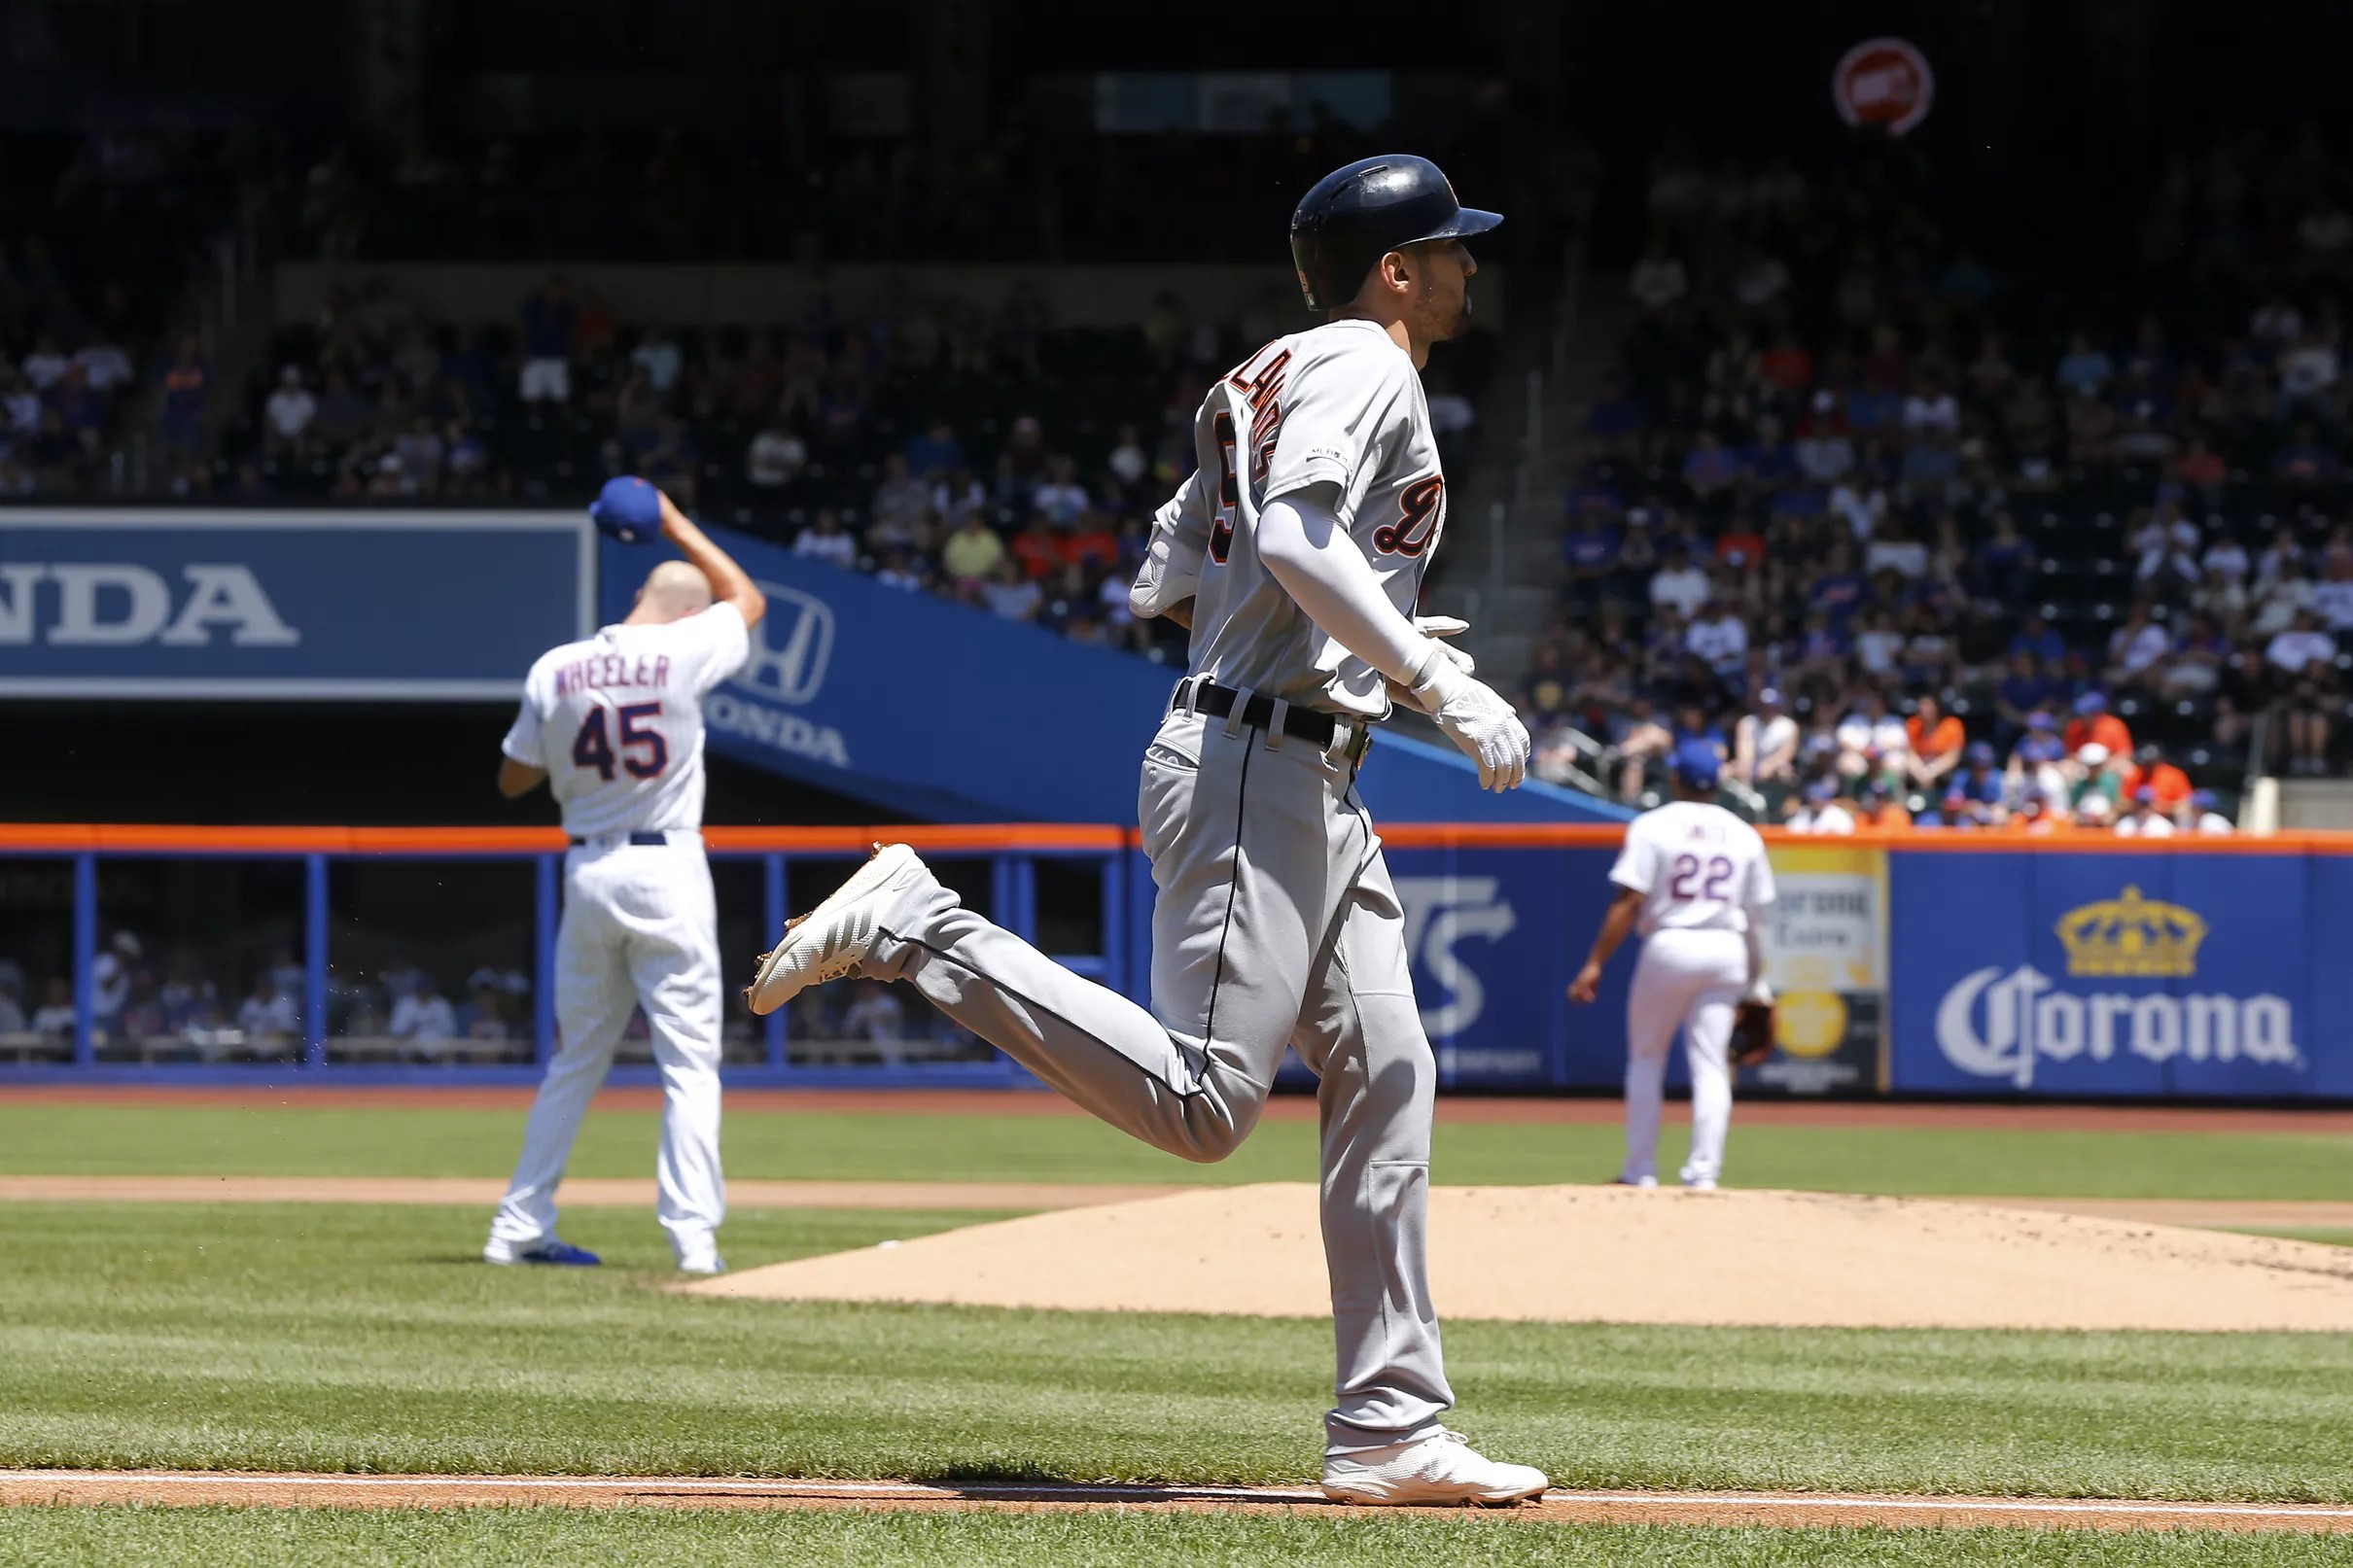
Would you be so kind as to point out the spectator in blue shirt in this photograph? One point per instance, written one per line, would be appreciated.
(935, 451)
(187, 384)
(2086, 369)
(549, 317)
(1979, 780)
(1591, 553)
(1768, 457)
(2024, 689)
(1874, 408)
(1838, 592)
(1693, 727)
(1711, 468)
(2307, 460)
(2036, 636)
(1616, 416)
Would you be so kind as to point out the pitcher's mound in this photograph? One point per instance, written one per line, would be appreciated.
(1613, 1254)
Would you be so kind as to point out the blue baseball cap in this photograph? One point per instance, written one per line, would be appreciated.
(1981, 754)
(1769, 697)
(1821, 789)
(2091, 701)
(2038, 719)
(1694, 766)
(2202, 799)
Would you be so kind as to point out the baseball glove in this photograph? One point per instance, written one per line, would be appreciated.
(1751, 1034)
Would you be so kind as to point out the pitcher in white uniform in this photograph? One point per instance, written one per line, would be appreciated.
(614, 724)
(1693, 879)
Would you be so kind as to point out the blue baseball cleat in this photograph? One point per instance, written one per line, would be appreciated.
(560, 1254)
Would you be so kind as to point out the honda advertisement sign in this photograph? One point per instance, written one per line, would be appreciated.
(242, 604)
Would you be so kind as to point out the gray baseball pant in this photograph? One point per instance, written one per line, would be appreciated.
(1275, 925)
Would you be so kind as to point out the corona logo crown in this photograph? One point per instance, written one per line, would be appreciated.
(2131, 935)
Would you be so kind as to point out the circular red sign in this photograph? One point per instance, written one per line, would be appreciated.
(1884, 82)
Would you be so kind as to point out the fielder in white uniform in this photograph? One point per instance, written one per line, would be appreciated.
(615, 725)
(1295, 553)
(1693, 878)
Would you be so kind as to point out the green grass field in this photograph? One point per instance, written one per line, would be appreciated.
(223, 1538)
(366, 1339)
(223, 1139)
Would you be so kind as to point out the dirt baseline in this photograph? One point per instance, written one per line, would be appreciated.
(1785, 1510)
(1613, 1254)
(752, 1193)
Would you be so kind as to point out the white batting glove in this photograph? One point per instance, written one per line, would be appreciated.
(1481, 724)
(1436, 626)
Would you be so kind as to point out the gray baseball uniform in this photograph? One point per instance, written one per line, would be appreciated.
(1276, 924)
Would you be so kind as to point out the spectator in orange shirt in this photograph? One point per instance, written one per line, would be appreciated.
(2093, 725)
(1878, 807)
(1937, 742)
(1040, 550)
(2149, 770)
(1740, 547)
(1091, 544)
(2036, 818)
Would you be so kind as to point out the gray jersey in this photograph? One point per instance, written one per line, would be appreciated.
(1338, 404)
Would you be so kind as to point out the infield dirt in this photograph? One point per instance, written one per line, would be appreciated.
(1614, 1254)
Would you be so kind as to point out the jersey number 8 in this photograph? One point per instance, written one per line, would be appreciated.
(591, 749)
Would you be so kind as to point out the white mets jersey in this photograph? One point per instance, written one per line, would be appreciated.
(1338, 404)
(1698, 867)
(616, 719)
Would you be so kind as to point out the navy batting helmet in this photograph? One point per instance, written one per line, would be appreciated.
(1358, 213)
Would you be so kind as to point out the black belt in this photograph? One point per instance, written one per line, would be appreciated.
(638, 840)
(1299, 723)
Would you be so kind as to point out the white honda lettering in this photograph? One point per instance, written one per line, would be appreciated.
(141, 599)
(228, 595)
(17, 586)
(784, 732)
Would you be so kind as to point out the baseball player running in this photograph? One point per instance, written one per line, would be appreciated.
(615, 725)
(1295, 554)
(1693, 878)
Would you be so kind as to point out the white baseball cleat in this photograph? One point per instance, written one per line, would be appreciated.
(702, 1263)
(1434, 1472)
(833, 938)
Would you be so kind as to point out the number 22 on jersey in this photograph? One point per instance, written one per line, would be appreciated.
(644, 754)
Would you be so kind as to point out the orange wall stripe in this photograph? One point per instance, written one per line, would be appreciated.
(1044, 838)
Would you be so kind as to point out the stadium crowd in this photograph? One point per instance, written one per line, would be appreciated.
(98, 381)
(1952, 542)
(983, 455)
(158, 1002)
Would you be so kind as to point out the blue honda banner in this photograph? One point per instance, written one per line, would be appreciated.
(941, 711)
(2107, 973)
(364, 606)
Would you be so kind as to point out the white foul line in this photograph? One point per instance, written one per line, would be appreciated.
(687, 1485)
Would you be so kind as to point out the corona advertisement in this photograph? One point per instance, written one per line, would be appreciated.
(2103, 975)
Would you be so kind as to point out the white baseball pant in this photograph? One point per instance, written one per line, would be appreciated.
(1275, 925)
(640, 927)
(1691, 980)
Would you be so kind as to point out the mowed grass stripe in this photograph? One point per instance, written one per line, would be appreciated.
(827, 1145)
(660, 1538)
(342, 1339)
